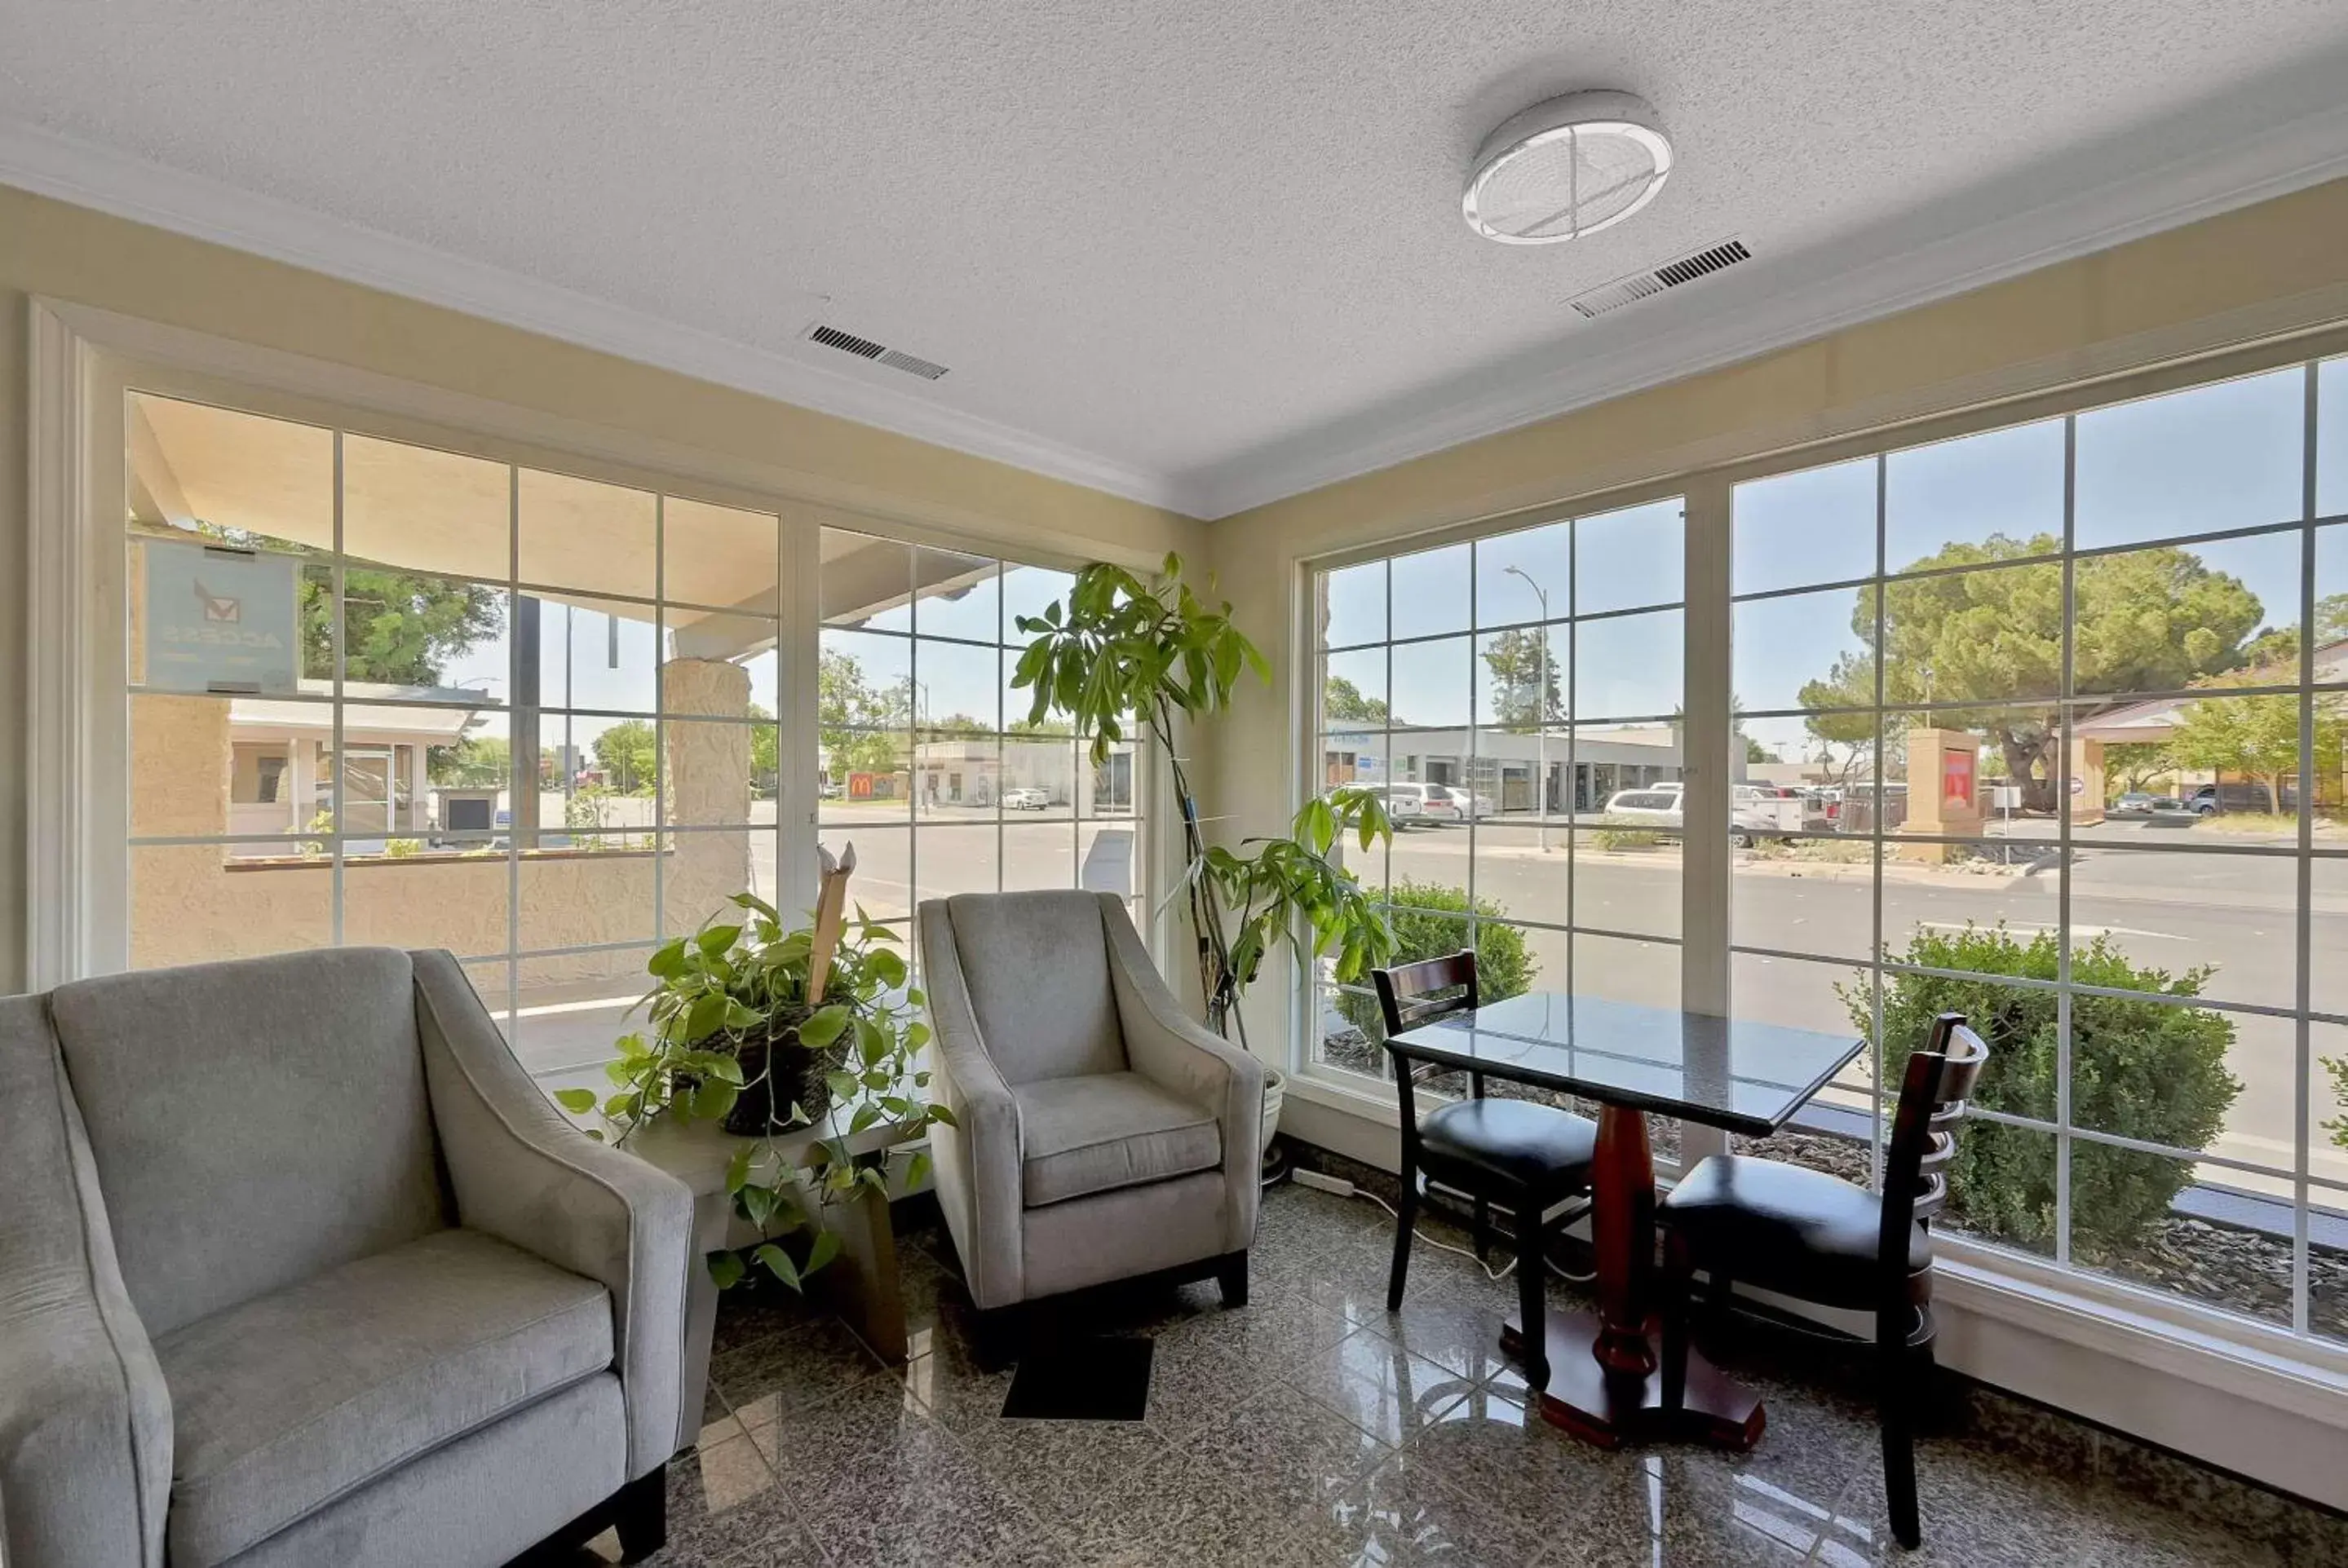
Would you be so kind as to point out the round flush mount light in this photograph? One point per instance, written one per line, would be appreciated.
(1566, 168)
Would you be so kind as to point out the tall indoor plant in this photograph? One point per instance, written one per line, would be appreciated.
(1120, 652)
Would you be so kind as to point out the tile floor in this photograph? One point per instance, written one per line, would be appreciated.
(1312, 1429)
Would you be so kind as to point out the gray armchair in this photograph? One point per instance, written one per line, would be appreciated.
(1101, 1134)
(298, 1266)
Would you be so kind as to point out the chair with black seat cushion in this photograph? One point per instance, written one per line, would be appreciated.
(1519, 1154)
(1816, 1238)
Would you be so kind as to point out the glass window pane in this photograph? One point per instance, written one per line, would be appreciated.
(721, 555)
(1522, 676)
(2119, 1226)
(240, 478)
(1041, 777)
(1611, 760)
(2327, 1136)
(425, 898)
(1803, 651)
(867, 582)
(2167, 618)
(1943, 770)
(867, 775)
(2327, 982)
(2001, 1186)
(2238, 760)
(746, 642)
(2156, 920)
(952, 858)
(1646, 973)
(2209, 458)
(1995, 633)
(1626, 881)
(958, 596)
(415, 509)
(2331, 603)
(1431, 685)
(1039, 854)
(1806, 896)
(2004, 483)
(1627, 666)
(1029, 590)
(1524, 577)
(597, 889)
(2331, 438)
(957, 687)
(1436, 599)
(701, 872)
(1352, 606)
(1349, 1031)
(713, 769)
(882, 883)
(958, 776)
(1354, 688)
(597, 655)
(1793, 530)
(616, 760)
(580, 534)
(865, 682)
(192, 902)
(1105, 863)
(1112, 787)
(1631, 559)
(1831, 1132)
(570, 1009)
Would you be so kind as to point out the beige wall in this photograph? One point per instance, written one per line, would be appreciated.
(2280, 265)
(71, 253)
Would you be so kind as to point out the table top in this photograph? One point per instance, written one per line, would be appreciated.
(1738, 1074)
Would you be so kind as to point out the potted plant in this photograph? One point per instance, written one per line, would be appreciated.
(1119, 652)
(770, 1030)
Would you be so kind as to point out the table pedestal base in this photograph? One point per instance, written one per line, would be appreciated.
(1613, 1408)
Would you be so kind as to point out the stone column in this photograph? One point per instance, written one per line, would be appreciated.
(1944, 793)
(2086, 784)
(706, 781)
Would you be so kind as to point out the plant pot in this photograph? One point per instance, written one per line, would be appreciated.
(1276, 1085)
(778, 1072)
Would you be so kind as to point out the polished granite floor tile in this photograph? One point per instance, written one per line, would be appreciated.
(1315, 1428)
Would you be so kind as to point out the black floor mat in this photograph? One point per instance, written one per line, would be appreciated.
(1081, 1378)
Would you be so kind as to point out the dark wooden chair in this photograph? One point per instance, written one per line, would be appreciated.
(1516, 1155)
(1817, 1238)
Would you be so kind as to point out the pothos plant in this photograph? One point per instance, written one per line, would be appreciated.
(732, 1027)
(1121, 652)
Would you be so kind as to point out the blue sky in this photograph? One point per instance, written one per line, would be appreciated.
(2212, 457)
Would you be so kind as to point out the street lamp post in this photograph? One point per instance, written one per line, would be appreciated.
(1541, 712)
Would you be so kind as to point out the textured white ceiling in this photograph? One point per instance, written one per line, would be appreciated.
(1206, 252)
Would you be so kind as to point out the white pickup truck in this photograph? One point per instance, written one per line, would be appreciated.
(1755, 813)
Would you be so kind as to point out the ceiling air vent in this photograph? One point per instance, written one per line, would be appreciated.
(880, 353)
(1638, 286)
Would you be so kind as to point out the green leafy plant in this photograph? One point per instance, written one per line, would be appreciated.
(2141, 1069)
(727, 1009)
(2336, 1069)
(1122, 654)
(402, 848)
(1430, 919)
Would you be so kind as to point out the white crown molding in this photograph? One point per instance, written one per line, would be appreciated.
(1782, 302)
(47, 164)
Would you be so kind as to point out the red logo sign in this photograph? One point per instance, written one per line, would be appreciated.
(1957, 778)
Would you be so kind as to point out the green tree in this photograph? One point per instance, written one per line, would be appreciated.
(399, 627)
(475, 761)
(2132, 765)
(2145, 621)
(628, 755)
(1342, 700)
(1524, 676)
(1755, 752)
(764, 739)
(2257, 736)
(861, 726)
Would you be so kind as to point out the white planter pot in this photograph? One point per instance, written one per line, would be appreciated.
(1275, 1083)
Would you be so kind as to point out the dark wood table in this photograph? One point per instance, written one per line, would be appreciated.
(1733, 1073)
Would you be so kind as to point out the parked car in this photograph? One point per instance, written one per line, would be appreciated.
(1436, 803)
(2143, 802)
(1754, 813)
(1026, 799)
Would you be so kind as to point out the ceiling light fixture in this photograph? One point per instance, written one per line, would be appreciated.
(1566, 168)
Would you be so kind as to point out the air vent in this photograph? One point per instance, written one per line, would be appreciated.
(880, 353)
(1638, 286)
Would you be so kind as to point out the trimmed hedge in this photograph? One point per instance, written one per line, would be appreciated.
(2148, 1070)
(1428, 918)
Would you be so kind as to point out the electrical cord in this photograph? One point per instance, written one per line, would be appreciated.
(1490, 1273)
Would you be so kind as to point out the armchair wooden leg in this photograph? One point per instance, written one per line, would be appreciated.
(1406, 1221)
(640, 1516)
(1532, 1290)
(1231, 1276)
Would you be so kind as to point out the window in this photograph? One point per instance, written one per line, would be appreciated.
(931, 763)
(2060, 709)
(1517, 697)
(378, 692)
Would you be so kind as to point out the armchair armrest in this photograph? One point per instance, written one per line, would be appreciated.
(978, 1161)
(84, 1415)
(1165, 1045)
(522, 1173)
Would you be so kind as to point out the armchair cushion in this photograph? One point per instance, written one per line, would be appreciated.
(1106, 1131)
(300, 1397)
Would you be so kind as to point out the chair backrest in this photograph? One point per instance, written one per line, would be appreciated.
(1036, 968)
(1934, 1092)
(253, 1123)
(1410, 995)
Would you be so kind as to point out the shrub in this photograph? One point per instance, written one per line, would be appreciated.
(402, 848)
(2144, 1070)
(1429, 920)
